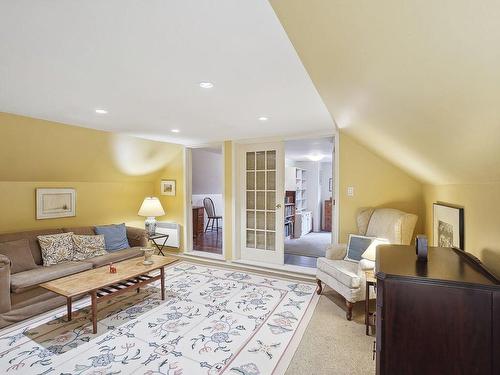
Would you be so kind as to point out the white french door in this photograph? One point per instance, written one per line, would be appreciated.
(261, 192)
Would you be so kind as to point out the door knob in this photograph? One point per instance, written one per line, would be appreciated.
(278, 205)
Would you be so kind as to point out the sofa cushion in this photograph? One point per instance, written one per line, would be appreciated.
(344, 271)
(19, 254)
(32, 237)
(115, 236)
(114, 257)
(56, 248)
(85, 247)
(87, 231)
(23, 281)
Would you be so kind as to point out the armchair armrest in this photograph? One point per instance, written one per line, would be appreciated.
(366, 265)
(5, 305)
(336, 252)
(137, 237)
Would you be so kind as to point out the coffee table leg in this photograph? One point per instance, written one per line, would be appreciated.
(93, 296)
(68, 304)
(162, 281)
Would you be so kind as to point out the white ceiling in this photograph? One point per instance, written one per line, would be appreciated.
(416, 81)
(142, 61)
(300, 149)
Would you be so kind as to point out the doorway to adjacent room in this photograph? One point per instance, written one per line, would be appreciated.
(207, 205)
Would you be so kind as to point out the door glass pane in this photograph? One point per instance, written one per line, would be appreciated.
(260, 239)
(271, 221)
(250, 180)
(250, 161)
(261, 220)
(271, 159)
(270, 240)
(250, 200)
(261, 181)
(251, 219)
(271, 180)
(261, 200)
(261, 160)
(271, 200)
(251, 238)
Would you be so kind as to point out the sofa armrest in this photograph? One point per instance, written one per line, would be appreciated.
(336, 252)
(4, 284)
(137, 237)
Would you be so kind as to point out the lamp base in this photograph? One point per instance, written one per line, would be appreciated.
(150, 225)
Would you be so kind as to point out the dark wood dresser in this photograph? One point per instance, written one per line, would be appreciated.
(198, 220)
(436, 317)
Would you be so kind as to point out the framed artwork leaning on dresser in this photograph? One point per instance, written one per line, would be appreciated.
(448, 226)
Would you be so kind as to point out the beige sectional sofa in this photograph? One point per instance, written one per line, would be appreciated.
(20, 295)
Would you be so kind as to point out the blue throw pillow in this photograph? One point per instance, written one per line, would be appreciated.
(115, 236)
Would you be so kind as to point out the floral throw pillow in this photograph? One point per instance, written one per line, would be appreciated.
(88, 246)
(56, 248)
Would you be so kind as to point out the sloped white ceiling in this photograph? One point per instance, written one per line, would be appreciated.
(416, 81)
(143, 60)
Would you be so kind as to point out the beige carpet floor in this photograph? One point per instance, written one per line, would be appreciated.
(332, 345)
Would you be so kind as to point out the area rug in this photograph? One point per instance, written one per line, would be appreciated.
(213, 321)
(313, 244)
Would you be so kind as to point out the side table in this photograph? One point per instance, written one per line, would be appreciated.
(370, 281)
(159, 245)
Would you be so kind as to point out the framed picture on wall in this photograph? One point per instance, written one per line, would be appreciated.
(167, 187)
(55, 203)
(448, 224)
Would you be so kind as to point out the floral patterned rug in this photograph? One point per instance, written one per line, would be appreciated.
(213, 321)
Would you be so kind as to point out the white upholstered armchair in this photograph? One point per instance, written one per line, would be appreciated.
(347, 277)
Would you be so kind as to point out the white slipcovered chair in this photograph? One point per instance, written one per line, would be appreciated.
(347, 277)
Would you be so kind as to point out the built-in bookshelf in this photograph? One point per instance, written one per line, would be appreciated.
(289, 213)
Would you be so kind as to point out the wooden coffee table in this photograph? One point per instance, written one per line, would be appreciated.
(100, 284)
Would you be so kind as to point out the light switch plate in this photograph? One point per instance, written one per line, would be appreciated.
(350, 191)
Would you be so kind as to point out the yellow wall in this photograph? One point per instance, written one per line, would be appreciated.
(481, 204)
(376, 182)
(111, 173)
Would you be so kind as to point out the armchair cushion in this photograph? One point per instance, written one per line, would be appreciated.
(336, 252)
(342, 270)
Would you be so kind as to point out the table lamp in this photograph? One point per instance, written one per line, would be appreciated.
(150, 208)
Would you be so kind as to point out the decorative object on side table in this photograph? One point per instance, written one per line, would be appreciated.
(55, 203)
(421, 247)
(148, 255)
(448, 224)
(150, 208)
(167, 187)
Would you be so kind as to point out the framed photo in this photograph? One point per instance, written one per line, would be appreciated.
(55, 203)
(167, 187)
(448, 224)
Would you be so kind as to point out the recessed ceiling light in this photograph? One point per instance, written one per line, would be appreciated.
(263, 118)
(101, 111)
(206, 85)
(315, 157)
(175, 130)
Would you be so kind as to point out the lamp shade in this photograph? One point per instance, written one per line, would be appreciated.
(371, 250)
(151, 207)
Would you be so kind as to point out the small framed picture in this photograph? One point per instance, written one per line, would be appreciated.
(55, 203)
(448, 223)
(167, 187)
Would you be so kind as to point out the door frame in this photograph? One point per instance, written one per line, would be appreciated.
(236, 250)
(188, 222)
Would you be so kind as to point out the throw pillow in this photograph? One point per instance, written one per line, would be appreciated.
(115, 236)
(20, 256)
(56, 248)
(86, 246)
(357, 246)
